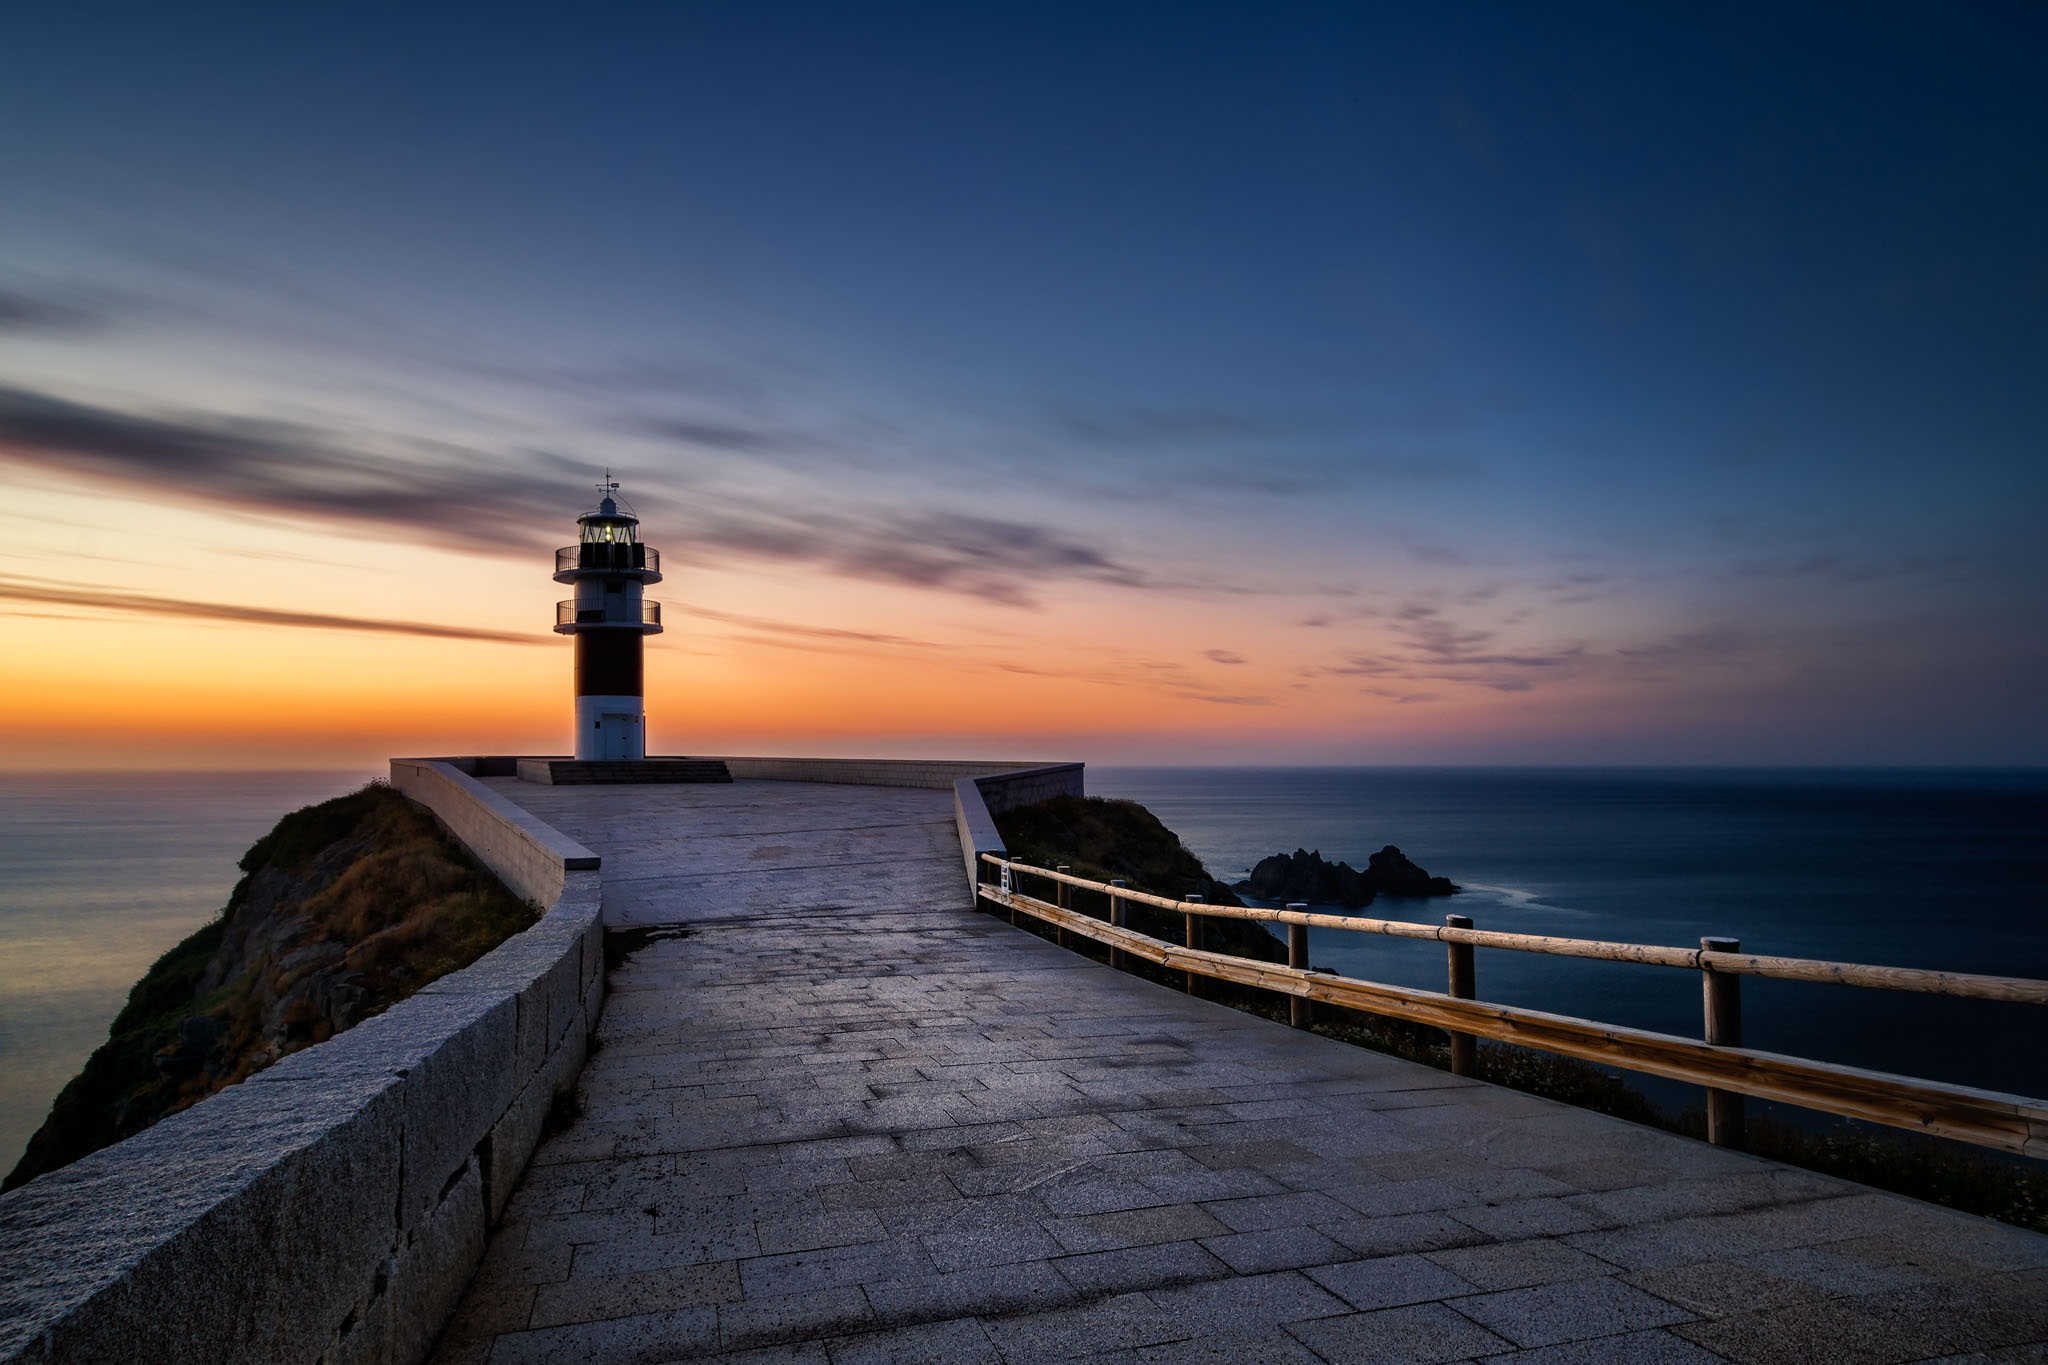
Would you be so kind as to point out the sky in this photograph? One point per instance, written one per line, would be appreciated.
(1189, 383)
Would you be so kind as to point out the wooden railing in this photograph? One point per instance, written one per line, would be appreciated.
(2008, 1123)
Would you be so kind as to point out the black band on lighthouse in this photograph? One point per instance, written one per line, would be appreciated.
(608, 663)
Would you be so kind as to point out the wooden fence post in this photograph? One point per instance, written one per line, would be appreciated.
(1299, 1010)
(1464, 1047)
(1064, 895)
(1723, 1000)
(1116, 917)
(1190, 981)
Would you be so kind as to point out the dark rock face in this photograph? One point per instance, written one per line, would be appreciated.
(1305, 876)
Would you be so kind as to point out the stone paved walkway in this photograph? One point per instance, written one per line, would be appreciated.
(848, 1119)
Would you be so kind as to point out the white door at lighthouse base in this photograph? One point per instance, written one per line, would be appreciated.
(619, 735)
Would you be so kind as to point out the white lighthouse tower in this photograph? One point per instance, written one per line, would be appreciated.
(609, 567)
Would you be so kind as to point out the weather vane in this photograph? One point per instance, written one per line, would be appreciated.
(610, 484)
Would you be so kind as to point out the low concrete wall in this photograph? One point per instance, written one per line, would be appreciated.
(333, 1207)
(529, 856)
(872, 772)
(978, 800)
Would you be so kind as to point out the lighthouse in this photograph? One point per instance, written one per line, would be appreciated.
(608, 568)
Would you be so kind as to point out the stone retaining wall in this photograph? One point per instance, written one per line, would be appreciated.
(333, 1207)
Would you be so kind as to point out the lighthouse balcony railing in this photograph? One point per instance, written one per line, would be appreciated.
(611, 557)
(568, 614)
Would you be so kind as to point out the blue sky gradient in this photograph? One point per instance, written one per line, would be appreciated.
(1696, 358)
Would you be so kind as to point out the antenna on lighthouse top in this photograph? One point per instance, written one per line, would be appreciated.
(607, 488)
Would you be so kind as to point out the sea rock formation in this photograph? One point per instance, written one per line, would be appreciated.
(1305, 876)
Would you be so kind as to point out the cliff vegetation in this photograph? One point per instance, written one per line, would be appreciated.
(344, 909)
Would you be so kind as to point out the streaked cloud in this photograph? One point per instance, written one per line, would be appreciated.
(35, 313)
(508, 503)
(44, 592)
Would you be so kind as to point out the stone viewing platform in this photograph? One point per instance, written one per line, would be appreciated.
(763, 1084)
(834, 1113)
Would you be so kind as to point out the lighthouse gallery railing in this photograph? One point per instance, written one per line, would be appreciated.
(568, 614)
(2009, 1123)
(612, 557)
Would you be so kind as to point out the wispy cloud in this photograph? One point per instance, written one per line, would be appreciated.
(791, 628)
(1222, 656)
(507, 503)
(289, 468)
(42, 313)
(44, 592)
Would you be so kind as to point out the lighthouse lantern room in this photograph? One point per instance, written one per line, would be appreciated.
(609, 569)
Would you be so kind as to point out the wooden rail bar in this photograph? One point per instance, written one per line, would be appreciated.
(1919, 981)
(2009, 1123)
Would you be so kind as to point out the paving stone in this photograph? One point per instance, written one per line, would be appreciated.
(793, 1317)
(1230, 1348)
(1656, 1347)
(1409, 1232)
(649, 1336)
(927, 1343)
(990, 1246)
(1388, 1281)
(1421, 1334)
(1295, 1210)
(1141, 1267)
(1134, 1227)
(1119, 1322)
(826, 1268)
(1516, 1265)
(1249, 1303)
(1840, 1332)
(1541, 1217)
(593, 1298)
(811, 1232)
(1551, 1313)
(962, 1293)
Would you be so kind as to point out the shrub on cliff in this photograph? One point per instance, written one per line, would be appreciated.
(345, 908)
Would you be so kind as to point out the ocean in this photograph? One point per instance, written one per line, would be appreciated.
(1919, 868)
(100, 873)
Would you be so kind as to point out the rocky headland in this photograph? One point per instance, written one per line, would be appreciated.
(1103, 840)
(344, 909)
(1306, 876)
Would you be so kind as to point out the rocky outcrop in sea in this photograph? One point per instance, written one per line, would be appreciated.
(1305, 876)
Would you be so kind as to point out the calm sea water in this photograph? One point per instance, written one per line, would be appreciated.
(1926, 869)
(99, 874)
